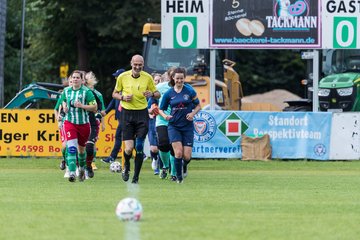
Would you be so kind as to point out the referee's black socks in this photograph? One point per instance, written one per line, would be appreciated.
(138, 164)
(127, 161)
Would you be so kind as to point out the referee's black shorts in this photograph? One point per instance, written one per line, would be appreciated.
(135, 123)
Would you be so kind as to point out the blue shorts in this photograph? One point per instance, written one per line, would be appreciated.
(183, 135)
(152, 133)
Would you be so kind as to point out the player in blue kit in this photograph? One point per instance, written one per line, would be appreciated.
(184, 104)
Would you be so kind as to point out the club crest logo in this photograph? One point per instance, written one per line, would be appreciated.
(200, 126)
(204, 126)
(320, 149)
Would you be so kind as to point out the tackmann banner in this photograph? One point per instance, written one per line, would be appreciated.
(265, 24)
(294, 135)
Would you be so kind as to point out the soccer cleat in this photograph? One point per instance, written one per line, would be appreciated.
(154, 164)
(90, 172)
(173, 178)
(81, 174)
(135, 181)
(179, 181)
(62, 165)
(86, 175)
(107, 160)
(72, 177)
(144, 157)
(156, 171)
(163, 174)
(67, 173)
(125, 175)
(94, 167)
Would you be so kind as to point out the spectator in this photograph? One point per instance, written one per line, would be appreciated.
(115, 104)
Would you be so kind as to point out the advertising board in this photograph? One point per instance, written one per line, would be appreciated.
(35, 133)
(265, 24)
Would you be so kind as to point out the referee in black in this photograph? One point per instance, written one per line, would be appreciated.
(132, 88)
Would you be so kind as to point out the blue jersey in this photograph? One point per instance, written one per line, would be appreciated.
(181, 104)
(152, 101)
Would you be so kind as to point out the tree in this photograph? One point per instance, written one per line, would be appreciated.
(90, 35)
(12, 49)
(264, 70)
(93, 35)
(2, 48)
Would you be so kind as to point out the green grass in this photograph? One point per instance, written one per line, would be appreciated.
(219, 200)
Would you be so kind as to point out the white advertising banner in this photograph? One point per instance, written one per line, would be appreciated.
(340, 24)
(185, 23)
(345, 136)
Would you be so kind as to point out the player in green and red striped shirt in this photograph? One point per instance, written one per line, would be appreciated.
(78, 100)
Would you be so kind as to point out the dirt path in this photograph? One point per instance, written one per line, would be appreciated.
(275, 97)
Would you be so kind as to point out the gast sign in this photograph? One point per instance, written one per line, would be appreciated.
(340, 24)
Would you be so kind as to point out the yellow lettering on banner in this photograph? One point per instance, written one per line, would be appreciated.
(35, 133)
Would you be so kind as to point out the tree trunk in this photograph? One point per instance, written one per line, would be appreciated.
(2, 48)
(83, 54)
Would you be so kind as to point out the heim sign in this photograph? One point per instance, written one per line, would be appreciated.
(185, 23)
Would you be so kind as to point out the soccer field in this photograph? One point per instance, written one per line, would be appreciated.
(224, 200)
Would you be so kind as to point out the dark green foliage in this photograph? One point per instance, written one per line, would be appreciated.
(91, 35)
(263, 70)
(12, 50)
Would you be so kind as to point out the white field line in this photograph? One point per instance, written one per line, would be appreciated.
(132, 229)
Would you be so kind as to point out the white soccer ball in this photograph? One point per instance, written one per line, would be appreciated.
(129, 209)
(115, 167)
